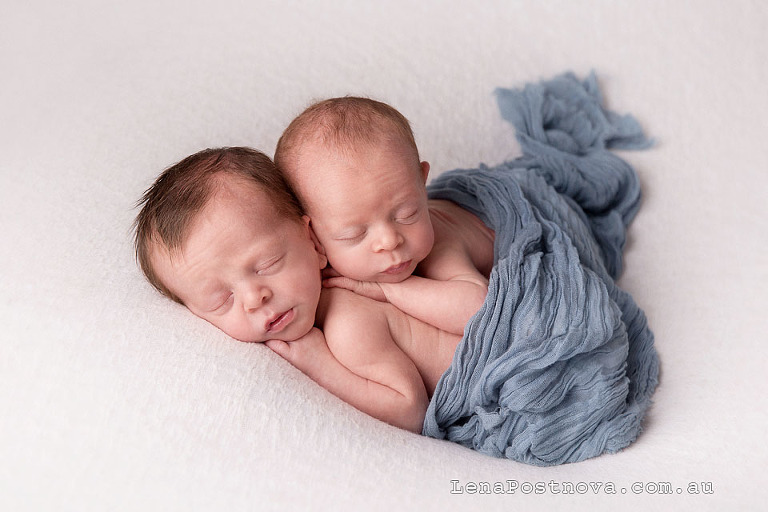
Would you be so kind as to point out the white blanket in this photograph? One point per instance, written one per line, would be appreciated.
(113, 398)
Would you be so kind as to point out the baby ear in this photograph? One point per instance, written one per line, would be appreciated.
(318, 246)
(424, 171)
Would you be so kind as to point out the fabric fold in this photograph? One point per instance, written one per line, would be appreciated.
(558, 365)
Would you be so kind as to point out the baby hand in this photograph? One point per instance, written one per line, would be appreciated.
(367, 289)
(307, 353)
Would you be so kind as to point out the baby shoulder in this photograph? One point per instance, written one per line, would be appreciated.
(353, 321)
(463, 244)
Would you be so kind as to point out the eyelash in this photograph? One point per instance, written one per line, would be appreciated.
(408, 219)
(355, 238)
(226, 301)
(268, 265)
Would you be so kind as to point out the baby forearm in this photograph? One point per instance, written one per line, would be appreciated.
(447, 305)
(370, 373)
(404, 409)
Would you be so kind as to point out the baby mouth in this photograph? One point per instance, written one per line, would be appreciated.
(396, 269)
(278, 323)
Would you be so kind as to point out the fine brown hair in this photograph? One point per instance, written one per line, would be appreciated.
(342, 123)
(170, 205)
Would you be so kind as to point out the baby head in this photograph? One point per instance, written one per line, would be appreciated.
(221, 233)
(354, 164)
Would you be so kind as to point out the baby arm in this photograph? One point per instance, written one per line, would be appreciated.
(449, 293)
(365, 369)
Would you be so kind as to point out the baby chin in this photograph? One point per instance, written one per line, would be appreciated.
(289, 325)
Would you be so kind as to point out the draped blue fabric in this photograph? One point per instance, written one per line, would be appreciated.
(558, 365)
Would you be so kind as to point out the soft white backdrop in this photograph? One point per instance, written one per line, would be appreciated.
(112, 398)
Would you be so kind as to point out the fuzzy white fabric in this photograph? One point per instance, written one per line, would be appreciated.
(113, 398)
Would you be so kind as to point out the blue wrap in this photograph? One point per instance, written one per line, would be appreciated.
(558, 365)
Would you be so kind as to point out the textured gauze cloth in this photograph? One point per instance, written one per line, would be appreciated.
(558, 365)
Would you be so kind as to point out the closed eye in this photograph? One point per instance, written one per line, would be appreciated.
(269, 266)
(351, 238)
(224, 304)
(408, 217)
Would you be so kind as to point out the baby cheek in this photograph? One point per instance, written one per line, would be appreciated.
(236, 327)
(344, 258)
(423, 239)
(414, 233)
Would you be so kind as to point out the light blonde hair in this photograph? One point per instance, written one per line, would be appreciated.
(177, 196)
(344, 124)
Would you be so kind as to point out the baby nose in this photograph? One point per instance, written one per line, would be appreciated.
(388, 238)
(255, 296)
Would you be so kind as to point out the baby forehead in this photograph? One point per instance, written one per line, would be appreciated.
(234, 203)
(229, 224)
(361, 203)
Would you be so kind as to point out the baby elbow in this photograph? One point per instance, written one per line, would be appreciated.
(414, 424)
(410, 412)
(481, 292)
(476, 298)
(417, 411)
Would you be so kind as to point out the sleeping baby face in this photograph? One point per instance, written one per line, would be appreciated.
(245, 268)
(368, 208)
